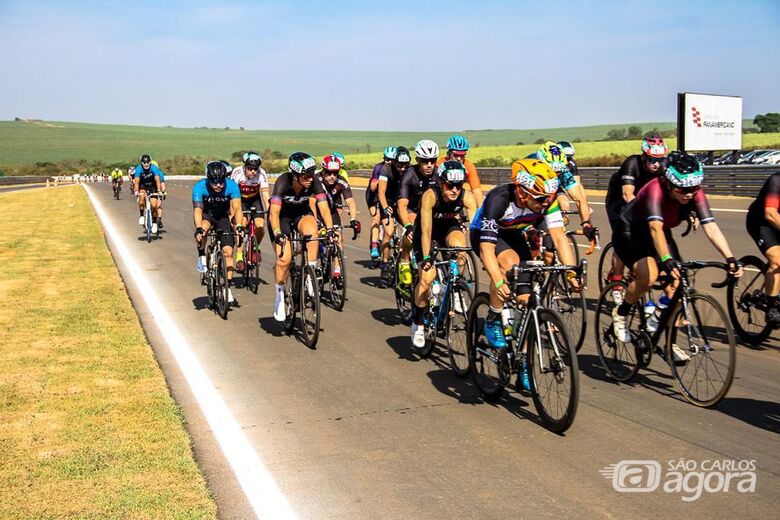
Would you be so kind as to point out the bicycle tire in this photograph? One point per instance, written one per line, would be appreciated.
(746, 317)
(290, 303)
(489, 375)
(605, 259)
(560, 375)
(457, 336)
(148, 223)
(403, 295)
(575, 248)
(572, 307)
(618, 359)
(221, 285)
(254, 270)
(471, 271)
(338, 291)
(310, 306)
(709, 328)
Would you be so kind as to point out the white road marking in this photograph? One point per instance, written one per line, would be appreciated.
(728, 210)
(258, 485)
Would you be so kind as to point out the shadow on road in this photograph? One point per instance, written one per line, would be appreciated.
(462, 389)
(200, 303)
(402, 345)
(761, 414)
(389, 317)
(659, 381)
(271, 326)
(368, 264)
(372, 281)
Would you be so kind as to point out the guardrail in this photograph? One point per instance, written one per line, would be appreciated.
(32, 179)
(737, 180)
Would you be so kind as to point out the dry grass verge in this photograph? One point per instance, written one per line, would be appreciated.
(87, 426)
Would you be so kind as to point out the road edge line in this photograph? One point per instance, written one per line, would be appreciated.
(259, 487)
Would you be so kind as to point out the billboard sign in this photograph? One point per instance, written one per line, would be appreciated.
(709, 122)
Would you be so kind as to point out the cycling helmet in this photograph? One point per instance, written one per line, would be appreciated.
(537, 177)
(426, 149)
(340, 158)
(684, 170)
(567, 148)
(331, 163)
(390, 153)
(552, 154)
(452, 172)
(146, 158)
(457, 143)
(402, 155)
(216, 171)
(300, 163)
(228, 166)
(253, 159)
(654, 146)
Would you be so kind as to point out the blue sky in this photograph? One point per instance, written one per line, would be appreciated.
(423, 65)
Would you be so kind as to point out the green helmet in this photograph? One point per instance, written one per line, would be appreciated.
(684, 170)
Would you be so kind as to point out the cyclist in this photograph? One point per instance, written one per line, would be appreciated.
(763, 225)
(339, 192)
(568, 150)
(253, 184)
(390, 177)
(343, 172)
(644, 239)
(290, 210)
(438, 220)
(636, 171)
(216, 202)
(457, 148)
(553, 155)
(497, 236)
(146, 179)
(372, 200)
(417, 180)
(116, 178)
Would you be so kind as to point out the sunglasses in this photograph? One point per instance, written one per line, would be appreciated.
(329, 174)
(306, 177)
(147, 163)
(540, 199)
(220, 183)
(687, 191)
(426, 161)
(251, 168)
(655, 160)
(453, 186)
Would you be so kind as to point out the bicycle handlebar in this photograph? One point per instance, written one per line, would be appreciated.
(699, 264)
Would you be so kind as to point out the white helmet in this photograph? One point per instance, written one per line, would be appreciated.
(426, 149)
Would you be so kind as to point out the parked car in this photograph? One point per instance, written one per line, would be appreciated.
(764, 158)
(772, 158)
(751, 156)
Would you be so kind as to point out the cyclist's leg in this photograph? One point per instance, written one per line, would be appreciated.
(336, 217)
(772, 278)
(228, 241)
(617, 268)
(455, 237)
(385, 252)
(141, 202)
(406, 244)
(307, 225)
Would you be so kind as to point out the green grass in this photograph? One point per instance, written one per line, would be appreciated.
(87, 426)
(23, 142)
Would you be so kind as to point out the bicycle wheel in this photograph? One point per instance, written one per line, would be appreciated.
(403, 295)
(605, 265)
(290, 297)
(253, 272)
(338, 285)
(489, 367)
(746, 302)
(310, 306)
(148, 223)
(575, 249)
(571, 306)
(709, 342)
(457, 337)
(221, 285)
(554, 373)
(470, 272)
(619, 359)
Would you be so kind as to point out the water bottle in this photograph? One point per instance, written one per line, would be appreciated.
(454, 267)
(435, 291)
(508, 320)
(660, 307)
(651, 323)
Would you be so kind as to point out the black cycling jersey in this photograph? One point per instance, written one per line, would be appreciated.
(295, 204)
(572, 164)
(393, 177)
(632, 172)
(768, 197)
(339, 192)
(414, 185)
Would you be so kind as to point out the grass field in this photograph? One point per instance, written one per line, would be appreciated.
(24, 142)
(87, 426)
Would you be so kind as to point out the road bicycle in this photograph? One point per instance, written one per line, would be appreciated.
(747, 303)
(535, 335)
(116, 187)
(216, 277)
(445, 316)
(693, 324)
(148, 218)
(331, 255)
(302, 290)
(250, 247)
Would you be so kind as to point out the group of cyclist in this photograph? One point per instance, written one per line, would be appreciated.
(438, 199)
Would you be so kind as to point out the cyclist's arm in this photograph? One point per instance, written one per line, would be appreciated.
(158, 183)
(197, 206)
(197, 216)
(487, 252)
(381, 190)
(772, 216)
(471, 205)
(265, 193)
(352, 208)
(472, 177)
(403, 211)
(659, 238)
(715, 235)
(426, 221)
(565, 253)
(577, 192)
(628, 193)
(324, 208)
(273, 215)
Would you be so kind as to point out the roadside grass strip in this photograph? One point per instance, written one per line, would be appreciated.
(87, 426)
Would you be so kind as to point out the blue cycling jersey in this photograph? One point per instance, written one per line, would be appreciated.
(147, 176)
(215, 203)
(566, 180)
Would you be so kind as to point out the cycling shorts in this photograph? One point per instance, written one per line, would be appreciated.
(439, 233)
(221, 224)
(508, 239)
(763, 233)
(632, 247)
(255, 203)
(289, 224)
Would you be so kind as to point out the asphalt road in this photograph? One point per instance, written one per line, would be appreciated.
(361, 428)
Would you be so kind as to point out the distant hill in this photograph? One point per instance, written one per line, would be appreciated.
(31, 141)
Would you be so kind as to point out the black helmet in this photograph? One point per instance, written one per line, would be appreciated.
(216, 171)
(301, 163)
(253, 159)
(228, 166)
(145, 158)
(403, 156)
(452, 172)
